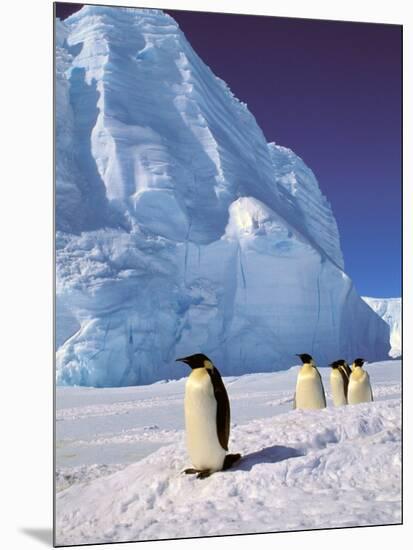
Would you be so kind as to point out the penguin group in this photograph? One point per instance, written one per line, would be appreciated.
(348, 385)
(207, 407)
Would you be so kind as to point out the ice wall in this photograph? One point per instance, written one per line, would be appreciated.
(389, 310)
(179, 228)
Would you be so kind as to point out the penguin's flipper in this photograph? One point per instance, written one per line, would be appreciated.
(230, 460)
(322, 386)
(204, 474)
(223, 411)
(345, 379)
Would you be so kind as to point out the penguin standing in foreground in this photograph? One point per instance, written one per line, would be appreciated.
(207, 418)
(359, 388)
(339, 380)
(309, 392)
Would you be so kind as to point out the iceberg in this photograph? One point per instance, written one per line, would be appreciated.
(179, 228)
(389, 310)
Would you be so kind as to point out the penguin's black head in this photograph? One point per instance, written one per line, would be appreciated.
(197, 361)
(338, 363)
(359, 362)
(305, 358)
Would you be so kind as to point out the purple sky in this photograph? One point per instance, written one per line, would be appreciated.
(331, 91)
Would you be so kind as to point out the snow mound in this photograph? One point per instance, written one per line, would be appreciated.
(334, 468)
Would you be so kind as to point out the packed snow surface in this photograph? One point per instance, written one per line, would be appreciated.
(389, 310)
(180, 229)
(121, 452)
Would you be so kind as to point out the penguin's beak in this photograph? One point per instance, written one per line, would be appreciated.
(182, 359)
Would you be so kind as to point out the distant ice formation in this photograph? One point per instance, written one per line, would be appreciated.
(389, 310)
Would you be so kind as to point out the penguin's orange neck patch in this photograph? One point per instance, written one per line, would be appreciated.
(198, 375)
(208, 365)
(358, 373)
(307, 368)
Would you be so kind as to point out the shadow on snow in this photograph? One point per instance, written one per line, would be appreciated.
(268, 455)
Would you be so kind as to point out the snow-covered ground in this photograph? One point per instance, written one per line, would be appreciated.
(121, 451)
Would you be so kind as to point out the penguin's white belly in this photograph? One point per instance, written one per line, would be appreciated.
(203, 445)
(359, 390)
(337, 389)
(309, 392)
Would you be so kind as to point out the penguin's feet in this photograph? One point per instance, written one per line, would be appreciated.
(230, 460)
(203, 474)
(191, 471)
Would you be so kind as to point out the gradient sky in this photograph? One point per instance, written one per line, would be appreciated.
(331, 91)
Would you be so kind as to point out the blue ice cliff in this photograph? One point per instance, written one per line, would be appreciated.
(179, 228)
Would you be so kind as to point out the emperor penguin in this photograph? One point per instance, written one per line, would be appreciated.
(309, 392)
(207, 418)
(339, 380)
(359, 388)
(343, 365)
